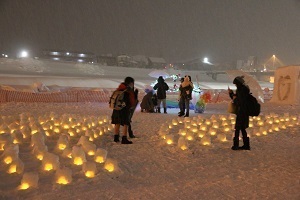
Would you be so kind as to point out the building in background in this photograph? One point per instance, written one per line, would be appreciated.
(82, 57)
(156, 62)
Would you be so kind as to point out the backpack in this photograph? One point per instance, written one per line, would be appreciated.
(252, 106)
(117, 100)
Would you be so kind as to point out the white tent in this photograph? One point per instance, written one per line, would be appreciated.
(287, 85)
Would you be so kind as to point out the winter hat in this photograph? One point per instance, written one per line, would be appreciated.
(239, 80)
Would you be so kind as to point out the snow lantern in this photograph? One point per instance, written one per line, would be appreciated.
(82, 140)
(203, 127)
(39, 151)
(182, 144)
(182, 132)
(29, 180)
(67, 152)
(17, 166)
(187, 125)
(37, 139)
(63, 176)
(17, 137)
(189, 136)
(275, 127)
(89, 169)
(5, 139)
(169, 139)
(4, 129)
(111, 165)
(187, 119)
(263, 130)
(100, 155)
(215, 125)
(256, 132)
(282, 125)
(212, 131)
(78, 155)
(174, 122)
(206, 141)
(50, 162)
(208, 122)
(201, 133)
(11, 153)
(225, 123)
(222, 137)
(226, 129)
(89, 148)
(62, 142)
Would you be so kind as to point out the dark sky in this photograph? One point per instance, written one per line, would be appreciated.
(178, 30)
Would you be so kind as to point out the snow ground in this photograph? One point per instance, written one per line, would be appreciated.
(151, 169)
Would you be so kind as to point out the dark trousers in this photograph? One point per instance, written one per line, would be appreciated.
(237, 133)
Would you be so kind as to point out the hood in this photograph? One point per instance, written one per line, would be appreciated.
(122, 86)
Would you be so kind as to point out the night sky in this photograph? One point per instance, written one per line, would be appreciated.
(178, 30)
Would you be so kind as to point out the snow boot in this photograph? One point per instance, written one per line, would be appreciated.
(235, 143)
(116, 138)
(165, 110)
(180, 114)
(130, 132)
(246, 145)
(125, 140)
(158, 109)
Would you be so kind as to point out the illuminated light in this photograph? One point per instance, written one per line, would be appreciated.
(109, 167)
(23, 54)
(226, 129)
(62, 180)
(48, 167)
(190, 136)
(40, 156)
(24, 186)
(201, 134)
(2, 147)
(99, 159)
(90, 174)
(12, 169)
(183, 147)
(206, 141)
(174, 122)
(78, 161)
(62, 146)
(66, 126)
(55, 58)
(91, 153)
(8, 160)
(212, 131)
(203, 128)
(169, 141)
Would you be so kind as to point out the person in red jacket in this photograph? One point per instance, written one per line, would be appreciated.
(123, 117)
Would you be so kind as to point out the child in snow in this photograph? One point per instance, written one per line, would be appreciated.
(123, 117)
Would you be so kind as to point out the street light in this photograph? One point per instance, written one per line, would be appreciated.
(274, 57)
(23, 54)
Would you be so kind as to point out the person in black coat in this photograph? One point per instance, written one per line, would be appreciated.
(242, 119)
(162, 88)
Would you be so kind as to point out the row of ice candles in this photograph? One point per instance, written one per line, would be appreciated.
(93, 127)
(10, 138)
(50, 161)
(224, 124)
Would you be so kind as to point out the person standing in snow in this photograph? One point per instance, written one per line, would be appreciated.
(123, 117)
(162, 88)
(242, 119)
(186, 89)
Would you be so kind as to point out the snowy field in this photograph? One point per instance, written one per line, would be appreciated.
(150, 168)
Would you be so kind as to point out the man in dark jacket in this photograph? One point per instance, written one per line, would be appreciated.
(161, 87)
(123, 117)
(242, 119)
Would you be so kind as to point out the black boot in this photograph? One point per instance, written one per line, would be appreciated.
(187, 114)
(165, 110)
(246, 145)
(116, 138)
(158, 109)
(235, 143)
(180, 114)
(125, 141)
(130, 132)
